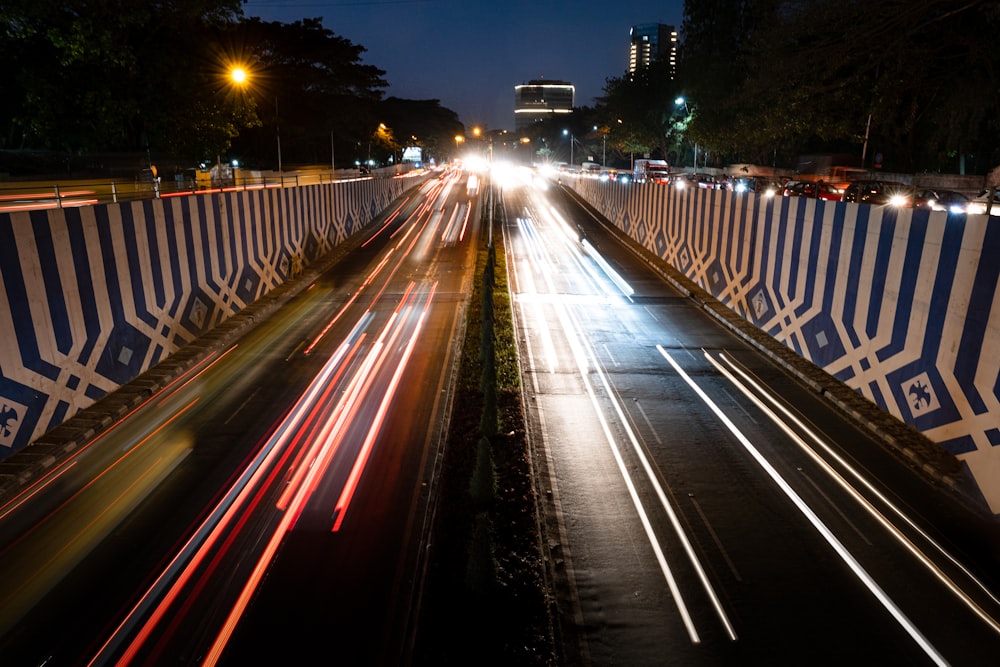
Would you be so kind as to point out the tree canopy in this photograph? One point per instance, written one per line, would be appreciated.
(918, 78)
(104, 76)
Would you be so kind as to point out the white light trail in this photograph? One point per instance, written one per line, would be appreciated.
(851, 491)
(587, 362)
(811, 516)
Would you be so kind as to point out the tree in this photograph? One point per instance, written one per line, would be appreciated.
(640, 112)
(423, 123)
(919, 78)
(97, 74)
(309, 84)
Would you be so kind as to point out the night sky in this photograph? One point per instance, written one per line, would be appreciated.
(470, 55)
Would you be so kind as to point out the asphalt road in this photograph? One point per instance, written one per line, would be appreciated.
(268, 504)
(703, 507)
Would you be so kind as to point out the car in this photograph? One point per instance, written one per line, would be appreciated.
(978, 204)
(813, 190)
(756, 184)
(707, 182)
(941, 200)
(879, 193)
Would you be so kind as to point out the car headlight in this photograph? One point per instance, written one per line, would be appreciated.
(898, 200)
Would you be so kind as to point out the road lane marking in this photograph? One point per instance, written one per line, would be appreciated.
(811, 516)
(921, 557)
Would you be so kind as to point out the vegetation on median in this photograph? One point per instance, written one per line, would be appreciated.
(485, 597)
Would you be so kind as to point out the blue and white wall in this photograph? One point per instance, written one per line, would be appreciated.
(91, 297)
(901, 305)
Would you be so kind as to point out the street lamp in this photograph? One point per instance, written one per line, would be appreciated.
(241, 77)
(566, 133)
(680, 101)
(277, 135)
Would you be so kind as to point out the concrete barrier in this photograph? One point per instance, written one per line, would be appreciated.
(91, 297)
(901, 305)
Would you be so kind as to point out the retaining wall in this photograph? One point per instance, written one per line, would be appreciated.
(91, 297)
(901, 305)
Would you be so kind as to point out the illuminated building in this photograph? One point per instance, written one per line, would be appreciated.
(540, 99)
(651, 42)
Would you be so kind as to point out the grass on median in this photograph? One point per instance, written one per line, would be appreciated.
(486, 600)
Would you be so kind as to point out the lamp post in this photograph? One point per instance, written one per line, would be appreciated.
(240, 77)
(604, 146)
(277, 135)
(567, 133)
(680, 101)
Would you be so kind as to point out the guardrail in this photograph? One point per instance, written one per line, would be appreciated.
(40, 195)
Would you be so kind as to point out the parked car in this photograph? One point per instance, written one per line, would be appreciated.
(880, 193)
(941, 200)
(813, 190)
(978, 204)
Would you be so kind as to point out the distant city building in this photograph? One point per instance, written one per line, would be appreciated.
(540, 99)
(651, 42)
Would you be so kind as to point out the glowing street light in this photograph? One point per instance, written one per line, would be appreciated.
(241, 77)
(566, 133)
(681, 102)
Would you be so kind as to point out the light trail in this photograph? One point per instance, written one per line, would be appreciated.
(831, 539)
(79, 523)
(295, 509)
(61, 467)
(833, 474)
(166, 589)
(388, 221)
(587, 362)
(340, 510)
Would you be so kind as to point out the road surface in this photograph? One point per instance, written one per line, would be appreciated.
(706, 509)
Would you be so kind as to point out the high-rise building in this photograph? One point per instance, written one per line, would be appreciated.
(650, 42)
(540, 99)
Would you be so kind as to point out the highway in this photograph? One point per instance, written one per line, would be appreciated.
(268, 505)
(704, 508)
(701, 507)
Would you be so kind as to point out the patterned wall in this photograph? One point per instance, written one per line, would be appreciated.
(902, 305)
(91, 297)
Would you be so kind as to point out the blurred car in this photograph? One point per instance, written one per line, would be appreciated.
(941, 200)
(813, 190)
(978, 204)
(756, 184)
(879, 193)
(707, 182)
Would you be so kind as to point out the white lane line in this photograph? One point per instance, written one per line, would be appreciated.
(811, 516)
(573, 335)
(936, 571)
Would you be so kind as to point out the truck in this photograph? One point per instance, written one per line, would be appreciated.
(651, 171)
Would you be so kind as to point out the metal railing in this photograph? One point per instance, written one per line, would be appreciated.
(40, 195)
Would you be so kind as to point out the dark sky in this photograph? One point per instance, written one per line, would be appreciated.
(470, 55)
